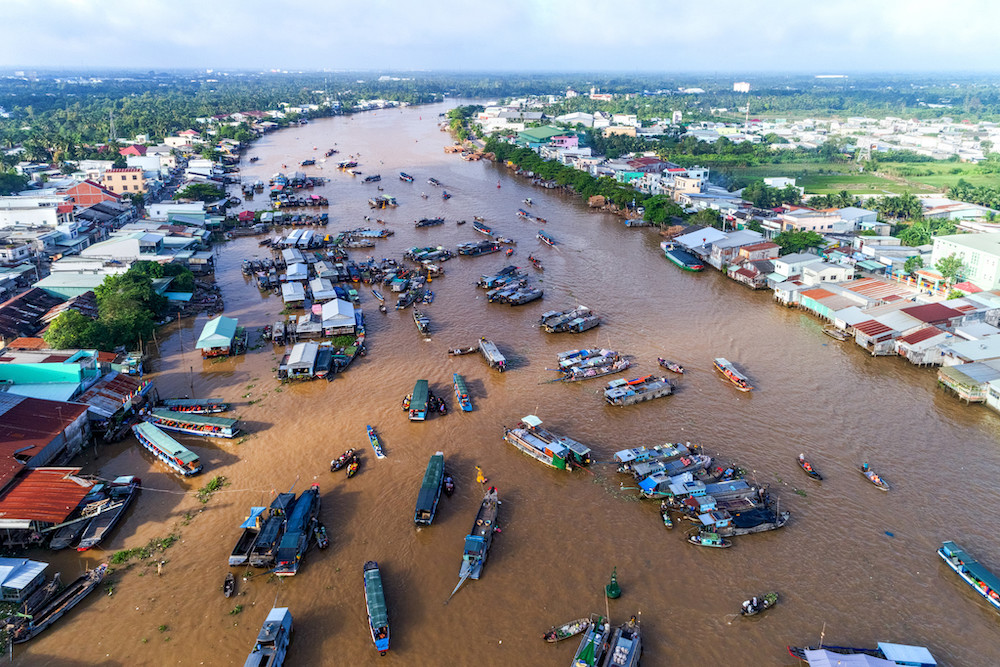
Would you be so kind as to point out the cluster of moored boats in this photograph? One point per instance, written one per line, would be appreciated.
(277, 537)
(575, 320)
(509, 286)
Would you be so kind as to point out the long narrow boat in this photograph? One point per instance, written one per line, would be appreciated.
(764, 602)
(625, 645)
(24, 629)
(594, 645)
(176, 456)
(248, 538)
(808, 469)
(213, 427)
(545, 238)
(708, 539)
(430, 491)
(417, 403)
(378, 295)
(378, 614)
(202, 406)
(670, 365)
(272, 640)
(462, 393)
(682, 258)
(972, 572)
(422, 322)
(95, 502)
(566, 630)
(477, 543)
(121, 492)
(406, 178)
(558, 452)
(727, 368)
(482, 228)
(874, 478)
(376, 443)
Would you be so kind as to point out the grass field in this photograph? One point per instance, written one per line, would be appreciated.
(943, 174)
(856, 184)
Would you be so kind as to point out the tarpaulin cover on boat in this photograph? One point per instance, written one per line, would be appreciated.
(375, 598)
(252, 519)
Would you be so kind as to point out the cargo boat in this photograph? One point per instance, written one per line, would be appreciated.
(428, 222)
(201, 406)
(422, 322)
(178, 458)
(121, 492)
(298, 533)
(594, 645)
(418, 402)
(263, 551)
(22, 629)
(739, 380)
(477, 543)
(630, 392)
(430, 491)
(378, 614)
(492, 354)
(541, 444)
(462, 393)
(213, 427)
(272, 640)
(972, 572)
(682, 258)
(625, 645)
(248, 538)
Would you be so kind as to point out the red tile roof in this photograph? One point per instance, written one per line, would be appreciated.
(134, 149)
(921, 334)
(932, 312)
(967, 287)
(119, 170)
(48, 495)
(766, 245)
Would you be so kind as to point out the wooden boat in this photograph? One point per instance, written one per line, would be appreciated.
(872, 477)
(319, 534)
(430, 491)
(527, 201)
(406, 178)
(545, 238)
(553, 450)
(202, 406)
(352, 467)
(670, 366)
(623, 392)
(95, 502)
(422, 322)
(374, 178)
(566, 630)
(837, 334)
(494, 358)
(462, 393)
(272, 641)
(972, 572)
(756, 605)
(463, 350)
(460, 222)
(121, 492)
(195, 424)
(264, 550)
(665, 514)
(482, 228)
(248, 538)
(298, 533)
(378, 613)
(808, 469)
(176, 456)
(707, 539)
(342, 460)
(739, 380)
(433, 181)
(229, 585)
(683, 259)
(625, 645)
(477, 543)
(449, 485)
(376, 444)
(22, 629)
(378, 295)
(478, 218)
(594, 645)
(416, 403)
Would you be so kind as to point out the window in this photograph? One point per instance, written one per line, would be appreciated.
(133, 177)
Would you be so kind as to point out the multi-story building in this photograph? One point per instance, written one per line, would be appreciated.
(980, 255)
(126, 181)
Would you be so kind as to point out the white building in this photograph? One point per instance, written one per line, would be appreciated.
(45, 211)
(741, 87)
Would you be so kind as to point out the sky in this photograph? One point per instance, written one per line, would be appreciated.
(812, 36)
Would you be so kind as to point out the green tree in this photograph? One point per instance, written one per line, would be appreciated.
(950, 267)
(798, 241)
(707, 217)
(70, 329)
(205, 192)
(912, 264)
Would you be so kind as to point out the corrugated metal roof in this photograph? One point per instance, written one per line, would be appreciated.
(932, 312)
(110, 392)
(921, 335)
(817, 294)
(871, 328)
(48, 495)
(876, 289)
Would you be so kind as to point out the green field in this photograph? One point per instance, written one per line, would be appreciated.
(855, 184)
(943, 174)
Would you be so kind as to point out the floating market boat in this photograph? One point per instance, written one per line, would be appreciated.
(378, 614)
(374, 178)
(670, 366)
(462, 393)
(521, 213)
(248, 538)
(95, 502)
(122, 491)
(527, 201)
(21, 629)
(630, 392)
(972, 572)
(482, 228)
(229, 585)
(665, 514)
(376, 444)
(545, 238)
(594, 645)
(625, 645)
(566, 630)
(872, 477)
(178, 458)
(492, 355)
(406, 178)
(417, 402)
(433, 181)
(707, 539)
(430, 491)
(428, 222)
(202, 406)
(213, 427)
(615, 365)
(342, 460)
(422, 321)
(808, 469)
(319, 534)
(682, 258)
(449, 485)
(272, 641)
(727, 368)
(895, 654)
(756, 605)
(378, 295)
(264, 550)
(541, 444)
(477, 543)
(298, 533)
(832, 331)
(463, 350)
(353, 466)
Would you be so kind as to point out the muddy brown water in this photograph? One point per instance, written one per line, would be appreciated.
(834, 565)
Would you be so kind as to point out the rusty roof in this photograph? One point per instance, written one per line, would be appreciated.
(877, 289)
(21, 315)
(872, 328)
(109, 393)
(817, 294)
(27, 344)
(921, 335)
(48, 495)
(27, 425)
(932, 312)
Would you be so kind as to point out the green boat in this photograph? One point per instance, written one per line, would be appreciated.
(594, 645)
(430, 491)
(462, 393)
(378, 614)
(418, 402)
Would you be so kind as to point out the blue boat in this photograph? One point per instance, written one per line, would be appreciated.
(378, 614)
(376, 444)
(272, 640)
(625, 645)
(176, 456)
(406, 178)
(477, 543)
(462, 393)
(430, 491)
(594, 645)
(978, 577)
(545, 238)
(298, 533)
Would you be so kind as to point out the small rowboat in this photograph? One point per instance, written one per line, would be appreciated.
(665, 514)
(671, 366)
(352, 469)
(764, 602)
(463, 350)
(319, 532)
(229, 586)
(808, 469)
(449, 485)
(343, 460)
(378, 295)
(874, 478)
(706, 539)
(376, 445)
(566, 630)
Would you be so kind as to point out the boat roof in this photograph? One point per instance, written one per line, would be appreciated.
(824, 658)
(974, 567)
(375, 598)
(193, 402)
(251, 520)
(186, 417)
(303, 507)
(165, 443)
(431, 486)
(905, 654)
(276, 618)
(418, 401)
(460, 383)
(532, 421)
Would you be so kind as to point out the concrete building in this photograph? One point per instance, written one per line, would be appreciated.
(37, 432)
(128, 180)
(980, 253)
(43, 211)
(19, 578)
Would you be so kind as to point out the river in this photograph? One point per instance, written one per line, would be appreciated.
(855, 561)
